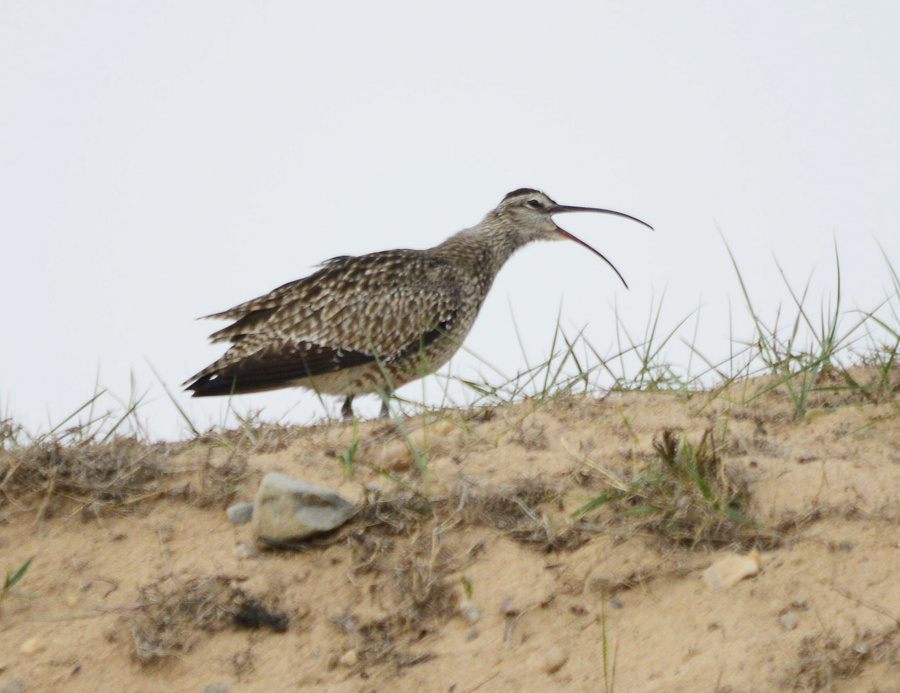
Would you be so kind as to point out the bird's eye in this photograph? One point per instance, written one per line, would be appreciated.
(536, 204)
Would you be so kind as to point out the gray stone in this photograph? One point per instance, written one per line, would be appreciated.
(240, 513)
(507, 607)
(288, 510)
(217, 688)
(470, 612)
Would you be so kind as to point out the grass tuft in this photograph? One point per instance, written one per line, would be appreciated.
(824, 659)
(421, 596)
(12, 579)
(685, 495)
(172, 613)
(55, 471)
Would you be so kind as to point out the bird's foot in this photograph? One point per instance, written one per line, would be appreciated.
(347, 409)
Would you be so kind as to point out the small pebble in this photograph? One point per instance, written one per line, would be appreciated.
(242, 551)
(789, 620)
(14, 686)
(470, 612)
(507, 608)
(616, 603)
(728, 571)
(349, 658)
(471, 634)
(240, 513)
(32, 645)
(550, 660)
(217, 688)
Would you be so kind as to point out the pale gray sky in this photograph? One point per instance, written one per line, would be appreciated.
(161, 161)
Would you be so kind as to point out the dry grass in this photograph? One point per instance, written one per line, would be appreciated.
(252, 437)
(414, 582)
(49, 474)
(517, 511)
(171, 613)
(400, 543)
(52, 476)
(219, 484)
(823, 659)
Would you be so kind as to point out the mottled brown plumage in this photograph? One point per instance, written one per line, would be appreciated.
(375, 322)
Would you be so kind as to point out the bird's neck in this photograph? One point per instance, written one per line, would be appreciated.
(484, 248)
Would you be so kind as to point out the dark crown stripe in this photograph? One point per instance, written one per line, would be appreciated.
(521, 191)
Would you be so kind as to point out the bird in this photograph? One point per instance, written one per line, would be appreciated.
(368, 324)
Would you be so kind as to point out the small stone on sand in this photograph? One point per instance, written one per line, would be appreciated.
(729, 571)
(240, 513)
(349, 658)
(789, 620)
(32, 645)
(470, 612)
(242, 551)
(217, 688)
(288, 510)
(549, 661)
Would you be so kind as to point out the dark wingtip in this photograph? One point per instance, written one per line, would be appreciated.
(209, 386)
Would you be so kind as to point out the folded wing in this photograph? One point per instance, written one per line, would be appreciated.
(352, 312)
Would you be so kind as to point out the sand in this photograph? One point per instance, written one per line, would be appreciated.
(480, 579)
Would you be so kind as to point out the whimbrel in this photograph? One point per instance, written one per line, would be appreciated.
(372, 323)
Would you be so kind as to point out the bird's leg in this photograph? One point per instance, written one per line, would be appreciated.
(385, 410)
(347, 409)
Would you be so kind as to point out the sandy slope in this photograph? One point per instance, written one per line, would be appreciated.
(382, 605)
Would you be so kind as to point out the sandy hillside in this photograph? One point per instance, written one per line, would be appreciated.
(482, 578)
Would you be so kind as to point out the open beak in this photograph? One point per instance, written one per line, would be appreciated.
(559, 209)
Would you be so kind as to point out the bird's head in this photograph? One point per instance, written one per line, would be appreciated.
(531, 212)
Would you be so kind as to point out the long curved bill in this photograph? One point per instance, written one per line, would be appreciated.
(559, 209)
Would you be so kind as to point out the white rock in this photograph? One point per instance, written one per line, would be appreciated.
(288, 510)
(729, 571)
